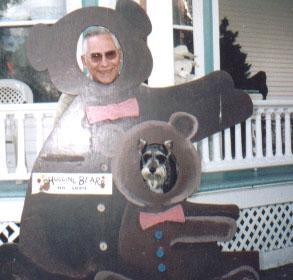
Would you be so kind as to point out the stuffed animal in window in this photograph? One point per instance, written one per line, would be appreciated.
(183, 64)
(69, 228)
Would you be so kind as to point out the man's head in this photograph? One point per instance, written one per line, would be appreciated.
(101, 55)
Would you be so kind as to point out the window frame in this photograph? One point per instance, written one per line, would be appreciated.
(70, 6)
(27, 24)
(205, 28)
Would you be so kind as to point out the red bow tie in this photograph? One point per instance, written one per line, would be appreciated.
(174, 214)
(128, 108)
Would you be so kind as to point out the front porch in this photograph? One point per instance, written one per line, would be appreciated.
(264, 140)
(250, 165)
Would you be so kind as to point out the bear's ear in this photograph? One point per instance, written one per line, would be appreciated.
(185, 123)
(136, 16)
(37, 49)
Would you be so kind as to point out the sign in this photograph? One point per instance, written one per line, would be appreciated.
(72, 183)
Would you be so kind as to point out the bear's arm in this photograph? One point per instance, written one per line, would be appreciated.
(205, 223)
(204, 209)
(200, 229)
(213, 100)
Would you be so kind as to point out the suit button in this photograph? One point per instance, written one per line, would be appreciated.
(158, 234)
(160, 253)
(104, 167)
(103, 246)
(162, 267)
(101, 207)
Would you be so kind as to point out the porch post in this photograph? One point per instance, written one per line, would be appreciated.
(198, 37)
(161, 42)
(208, 36)
(206, 39)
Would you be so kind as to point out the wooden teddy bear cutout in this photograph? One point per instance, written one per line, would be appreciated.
(163, 236)
(65, 235)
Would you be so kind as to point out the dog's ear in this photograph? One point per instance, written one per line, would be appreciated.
(168, 144)
(141, 145)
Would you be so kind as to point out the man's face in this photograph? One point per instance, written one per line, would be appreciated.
(102, 58)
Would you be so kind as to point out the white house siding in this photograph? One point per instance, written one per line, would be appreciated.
(266, 34)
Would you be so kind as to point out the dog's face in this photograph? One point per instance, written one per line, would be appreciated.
(154, 164)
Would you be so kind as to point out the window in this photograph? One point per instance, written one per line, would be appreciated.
(195, 25)
(182, 23)
(16, 19)
(183, 41)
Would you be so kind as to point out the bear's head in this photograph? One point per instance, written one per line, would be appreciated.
(126, 164)
(53, 48)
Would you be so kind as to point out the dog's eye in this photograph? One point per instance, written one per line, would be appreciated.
(161, 159)
(146, 157)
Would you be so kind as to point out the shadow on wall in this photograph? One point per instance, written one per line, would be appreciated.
(233, 60)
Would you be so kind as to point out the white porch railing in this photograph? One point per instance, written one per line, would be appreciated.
(263, 140)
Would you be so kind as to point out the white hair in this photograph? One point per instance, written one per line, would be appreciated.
(96, 31)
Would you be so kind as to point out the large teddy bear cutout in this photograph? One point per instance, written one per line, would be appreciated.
(69, 234)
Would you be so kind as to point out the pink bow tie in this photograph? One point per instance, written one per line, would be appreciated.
(174, 214)
(128, 108)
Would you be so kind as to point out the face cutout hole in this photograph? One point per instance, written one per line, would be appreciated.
(99, 55)
(158, 166)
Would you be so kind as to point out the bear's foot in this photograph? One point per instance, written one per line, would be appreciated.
(15, 266)
(109, 275)
(244, 272)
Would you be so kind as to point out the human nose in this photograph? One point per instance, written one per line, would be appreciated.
(104, 61)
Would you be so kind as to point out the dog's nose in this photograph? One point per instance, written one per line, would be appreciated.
(152, 169)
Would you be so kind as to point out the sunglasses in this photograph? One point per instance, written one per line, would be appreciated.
(109, 55)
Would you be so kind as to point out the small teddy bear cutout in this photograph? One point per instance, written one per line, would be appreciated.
(163, 236)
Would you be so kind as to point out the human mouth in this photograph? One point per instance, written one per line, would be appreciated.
(106, 72)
